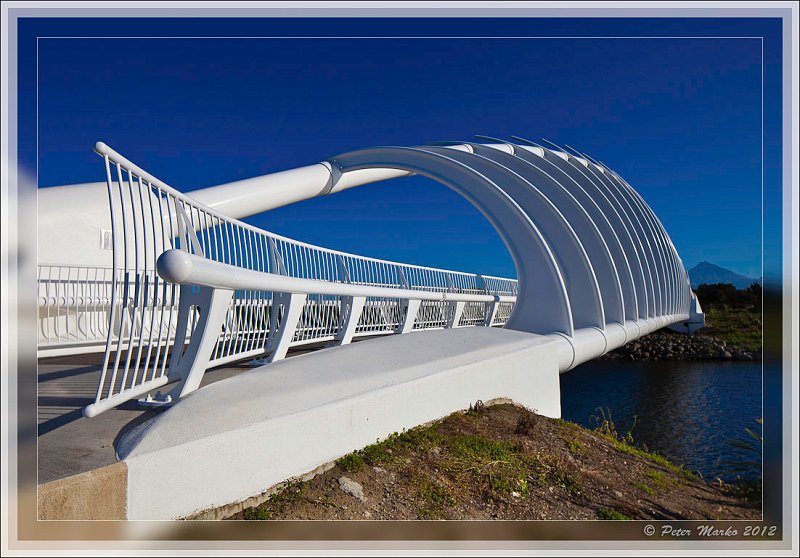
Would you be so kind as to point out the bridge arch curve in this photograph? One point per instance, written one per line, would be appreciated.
(543, 292)
(589, 252)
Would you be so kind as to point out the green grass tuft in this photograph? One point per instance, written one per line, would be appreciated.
(436, 494)
(477, 448)
(575, 447)
(655, 458)
(436, 499)
(660, 480)
(614, 515)
(288, 494)
(352, 462)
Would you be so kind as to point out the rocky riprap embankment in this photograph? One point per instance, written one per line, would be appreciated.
(662, 345)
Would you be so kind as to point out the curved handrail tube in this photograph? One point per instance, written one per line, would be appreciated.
(177, 266)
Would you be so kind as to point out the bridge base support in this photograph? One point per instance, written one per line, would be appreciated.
(299, 414)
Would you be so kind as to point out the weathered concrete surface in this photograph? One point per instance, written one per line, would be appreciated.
(97, 494)
(236, 438)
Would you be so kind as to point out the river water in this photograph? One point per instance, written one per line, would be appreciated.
(685, 411)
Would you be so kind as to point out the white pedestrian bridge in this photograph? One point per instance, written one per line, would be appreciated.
(166, 285)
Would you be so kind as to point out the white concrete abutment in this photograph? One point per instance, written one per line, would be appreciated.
(236, 438)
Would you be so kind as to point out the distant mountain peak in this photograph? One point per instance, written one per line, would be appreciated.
(707, 272)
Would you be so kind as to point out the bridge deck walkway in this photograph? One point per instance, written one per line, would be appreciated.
(69, 443)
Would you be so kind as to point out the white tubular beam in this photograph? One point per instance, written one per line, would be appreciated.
(626, 254)
(638, 247)
(599, 237)
(180, 267)
(261, 193)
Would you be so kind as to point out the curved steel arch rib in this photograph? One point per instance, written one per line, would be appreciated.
(602, 252)
(543, 291)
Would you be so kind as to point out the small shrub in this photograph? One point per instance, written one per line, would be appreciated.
(526, 424)
(560, 472)
(476, 410)
(566, 481)
(399, 444)
(752, 447)
(378, 454)
(352, 462)
(501, 483)
(522, 484)
(606, 427)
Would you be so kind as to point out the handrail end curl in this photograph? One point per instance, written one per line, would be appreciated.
(101, 148)
(175, 266)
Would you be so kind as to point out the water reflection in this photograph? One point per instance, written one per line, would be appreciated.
(683, 410)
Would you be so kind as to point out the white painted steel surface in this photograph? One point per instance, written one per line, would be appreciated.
(160, 333)
(596, 267)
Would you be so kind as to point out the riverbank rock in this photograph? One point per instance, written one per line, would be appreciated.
(668, 345)
(352, 488)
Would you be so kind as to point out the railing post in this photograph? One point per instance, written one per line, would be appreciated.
(490, 308)
(454, 312)
(344, 273)
(454, 309)
(411, 308)
(491, 313)
(350, 313)
(278, 299)
(190, 365)
(293, 304)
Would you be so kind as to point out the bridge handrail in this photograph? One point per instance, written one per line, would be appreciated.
(177, 266)
(153, 323)
(106, 151)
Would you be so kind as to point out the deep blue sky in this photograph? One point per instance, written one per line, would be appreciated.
(680, 119)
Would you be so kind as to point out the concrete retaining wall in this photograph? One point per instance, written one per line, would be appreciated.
(96, 494)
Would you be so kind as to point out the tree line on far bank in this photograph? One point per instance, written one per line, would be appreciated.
(716, 295)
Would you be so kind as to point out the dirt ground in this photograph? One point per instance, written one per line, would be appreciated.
(504, 462)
